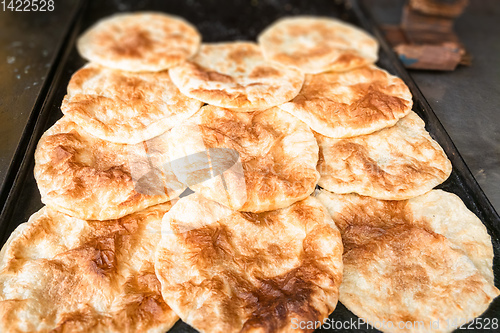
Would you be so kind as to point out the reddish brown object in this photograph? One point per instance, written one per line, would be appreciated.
(394, 34)
(425, 41)
(413, 20)
(444, 57)
(445, 8)
(421, 37)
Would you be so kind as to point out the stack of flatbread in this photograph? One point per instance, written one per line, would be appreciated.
(312, 178)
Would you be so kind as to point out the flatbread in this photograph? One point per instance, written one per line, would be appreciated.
(63, 274)
(415, 260)
(90, 178)
(425, 282)
(318, 44)
(446, 214)
(142, 41)
(395, 163)
(436, 211)
(353, 103)
(276, 157)
(125, 107)
(226, 271)
(236, 76)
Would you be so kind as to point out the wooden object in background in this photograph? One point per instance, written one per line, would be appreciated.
(413, 20)
(444, 8)
(444, 57)
(425, 41)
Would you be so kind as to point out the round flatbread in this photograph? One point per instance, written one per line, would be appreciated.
(413, 262)
(90, 178)
(353, 103)
(137, 42)
(316, 44)
(227, 271)
(236, 76)
(125, 107)
(395, 163)
(63, 274)
(270, 162)
(436, 211)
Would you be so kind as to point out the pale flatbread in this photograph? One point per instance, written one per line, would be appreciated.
(226, 271)
(353, 103)
(276, 157)
(317, 44)
(436, 211)
(236, 76)
(424, 259)
(138, 42)
(125, 107)
(395, 163)
(90, 178)
(62, 274)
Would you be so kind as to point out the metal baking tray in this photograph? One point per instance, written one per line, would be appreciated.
(241, 20)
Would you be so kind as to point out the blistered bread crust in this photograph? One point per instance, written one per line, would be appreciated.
(357, 102)
(89, 178)
(228, 271)
(63, 274)
(414, 260)
(318, 44)
(236, 76)
(139, 42)
(395, 163)
(278, 155)
(125, 107)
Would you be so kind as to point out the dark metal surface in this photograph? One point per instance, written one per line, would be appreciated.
(31, 43)
(232, 21)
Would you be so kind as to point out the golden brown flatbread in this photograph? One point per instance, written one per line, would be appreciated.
(125, 107)
(90, 178)
(357, 102)
(318, 44)
(275, 162)
(63, 274)
(395, 163)
(236, 76)
(226, 271)
(141, 41)
(413, 261)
